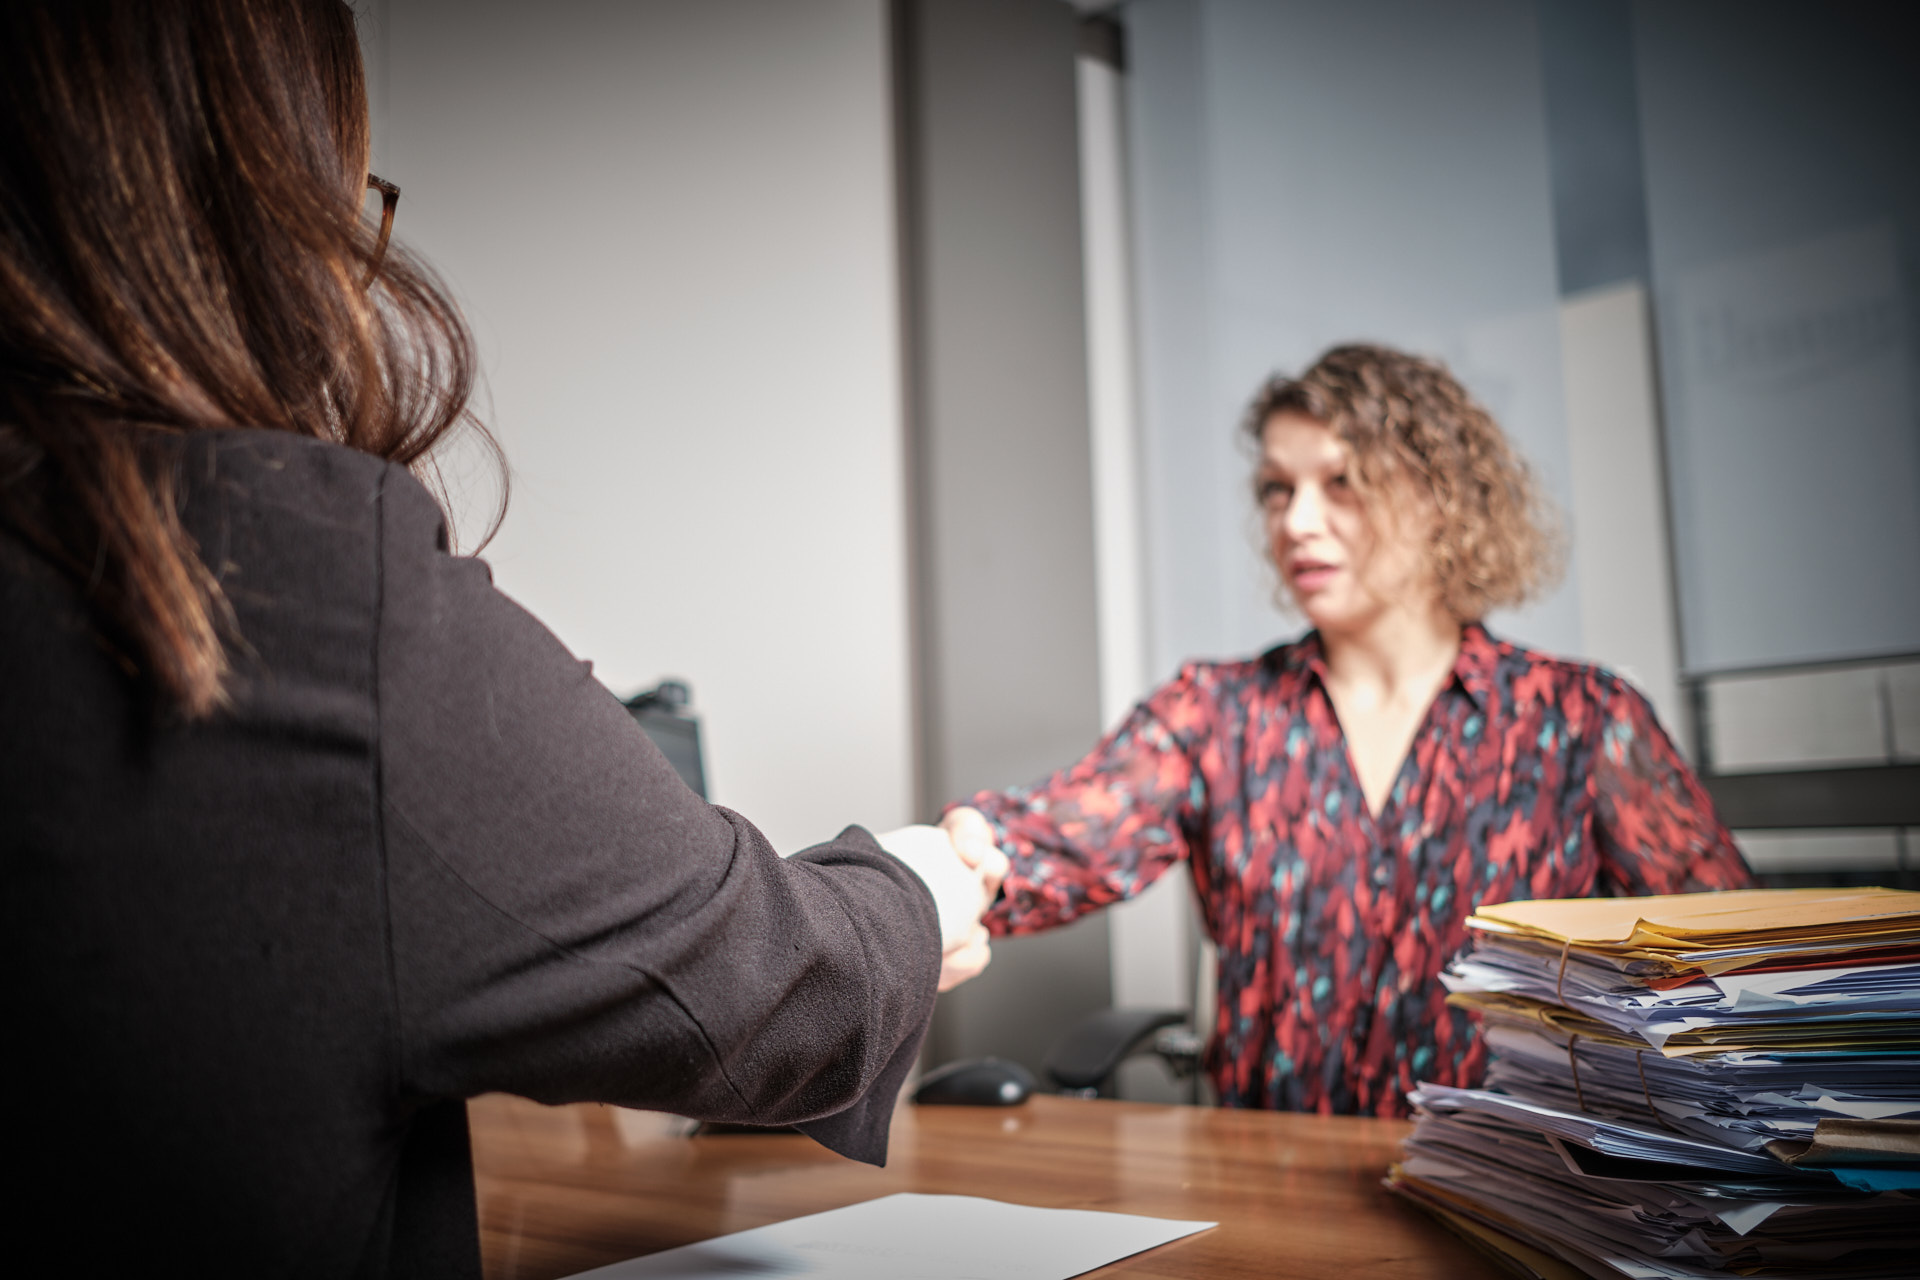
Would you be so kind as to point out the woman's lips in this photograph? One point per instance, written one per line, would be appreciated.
(1311, 576)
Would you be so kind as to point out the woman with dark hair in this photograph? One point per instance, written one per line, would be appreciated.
(309, 834)
(1344, 802)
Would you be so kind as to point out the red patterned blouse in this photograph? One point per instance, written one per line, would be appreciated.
(1531, 777)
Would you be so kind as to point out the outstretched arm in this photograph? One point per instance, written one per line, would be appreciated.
(1103, 829)
(569, 922)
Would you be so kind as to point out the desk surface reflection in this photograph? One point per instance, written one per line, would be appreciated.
(563, 1189)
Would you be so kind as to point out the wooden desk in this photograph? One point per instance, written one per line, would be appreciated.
(563, 1189)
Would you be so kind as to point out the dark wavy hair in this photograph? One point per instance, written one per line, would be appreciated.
(183, 247)
(1410, 422)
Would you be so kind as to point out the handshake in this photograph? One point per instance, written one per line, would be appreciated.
(962, 867)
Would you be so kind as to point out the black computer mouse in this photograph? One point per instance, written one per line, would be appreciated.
(976, 1082)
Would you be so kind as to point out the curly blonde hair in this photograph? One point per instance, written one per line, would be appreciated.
(1410, 422)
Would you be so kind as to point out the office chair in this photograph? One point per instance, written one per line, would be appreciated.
(1081, 1062)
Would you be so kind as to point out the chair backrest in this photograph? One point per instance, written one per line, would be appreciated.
(1086, 1054)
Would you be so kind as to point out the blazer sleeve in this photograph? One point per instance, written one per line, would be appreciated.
(569, 922)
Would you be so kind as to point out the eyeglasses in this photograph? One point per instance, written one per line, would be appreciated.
(389, 201)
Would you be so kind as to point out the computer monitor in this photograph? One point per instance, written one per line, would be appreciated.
(662, 712)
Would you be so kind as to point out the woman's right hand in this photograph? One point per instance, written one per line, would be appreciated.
(972, 837)
(960, 892)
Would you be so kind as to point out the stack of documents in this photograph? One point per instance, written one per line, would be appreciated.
(1694, 1085)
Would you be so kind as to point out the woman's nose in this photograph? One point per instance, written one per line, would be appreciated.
(1305, 512)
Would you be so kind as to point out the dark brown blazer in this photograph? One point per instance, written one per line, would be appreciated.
(256, 964)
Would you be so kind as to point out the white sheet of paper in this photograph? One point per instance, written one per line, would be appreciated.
(914, 1237)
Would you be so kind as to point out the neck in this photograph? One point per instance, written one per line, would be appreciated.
(1402, 650)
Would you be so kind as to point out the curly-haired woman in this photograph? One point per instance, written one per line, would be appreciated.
(1346, 800)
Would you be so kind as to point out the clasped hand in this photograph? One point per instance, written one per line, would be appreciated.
(962, 867)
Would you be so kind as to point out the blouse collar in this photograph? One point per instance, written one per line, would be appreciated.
(1473, 669)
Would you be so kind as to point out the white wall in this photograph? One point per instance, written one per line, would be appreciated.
(1617, 517)
(672, 228)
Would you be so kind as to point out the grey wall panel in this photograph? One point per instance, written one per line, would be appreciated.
(1187, 582)
(1008, 629)
(1593, 130)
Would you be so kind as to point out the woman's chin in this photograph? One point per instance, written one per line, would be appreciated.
(1324, 614)
(1334, 613)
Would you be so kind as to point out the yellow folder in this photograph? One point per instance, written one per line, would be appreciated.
(1681, 922)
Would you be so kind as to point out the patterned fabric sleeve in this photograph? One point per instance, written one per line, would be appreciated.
(1657, 829)
(1107, 827)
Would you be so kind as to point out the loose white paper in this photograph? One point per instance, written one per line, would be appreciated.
(915, 1237)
